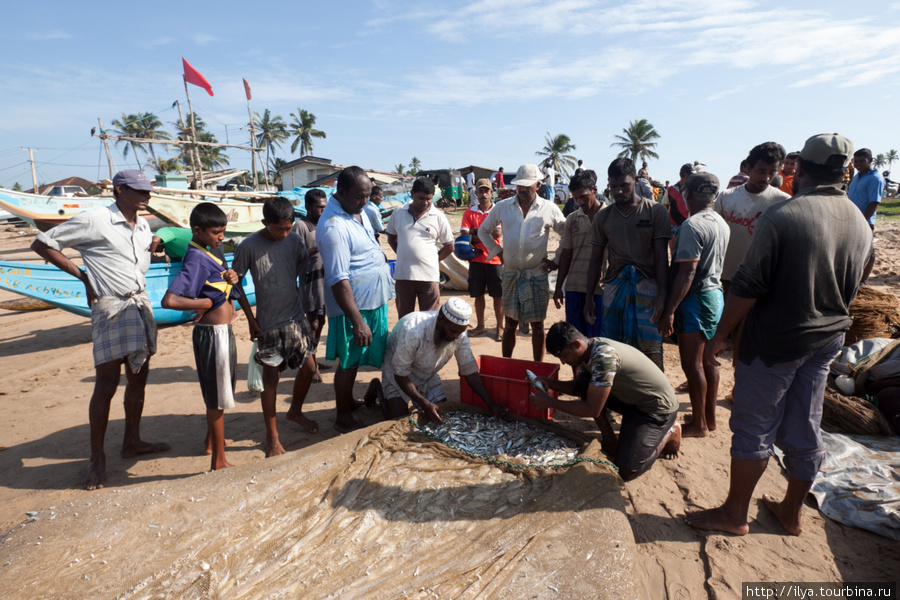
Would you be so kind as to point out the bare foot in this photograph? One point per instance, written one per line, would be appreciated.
(476, 331)
(274, 449)
(208, 449)
(710, 423)
(682, 388)
(673, 446)
(346, 424)
(136, 448)
(317, 377)
(716, 519)
(692, 429)
(499, 334)
(224, 465)
(300, 419)
(96, 475)
(791, 523)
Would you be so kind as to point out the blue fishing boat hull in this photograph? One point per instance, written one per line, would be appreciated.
(59, 289)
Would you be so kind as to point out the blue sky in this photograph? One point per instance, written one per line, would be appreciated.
(454, 83)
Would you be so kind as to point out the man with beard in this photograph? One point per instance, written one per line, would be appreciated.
(527, 221)
(417, 349)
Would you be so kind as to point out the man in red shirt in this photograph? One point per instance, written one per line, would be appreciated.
(484, 274)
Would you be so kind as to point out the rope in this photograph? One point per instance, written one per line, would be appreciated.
(505, 463)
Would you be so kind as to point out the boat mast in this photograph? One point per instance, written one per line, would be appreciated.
(193, 129)
(33, 173)
(253, 145)
(184, 130)
(109, 160)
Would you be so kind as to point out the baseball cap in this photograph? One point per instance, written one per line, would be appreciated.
(828, 149)
(483, 183)
(703, 183)
(528, 174)
(134, 179)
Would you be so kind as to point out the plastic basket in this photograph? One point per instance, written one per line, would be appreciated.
(505, 381)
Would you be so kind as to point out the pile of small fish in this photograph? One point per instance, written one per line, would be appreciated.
(490, 436)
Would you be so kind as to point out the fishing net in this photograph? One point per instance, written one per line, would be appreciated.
(385, 512)
(849, 414)
(875, 314)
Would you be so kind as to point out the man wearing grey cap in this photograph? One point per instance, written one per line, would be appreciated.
(527, 220)
(114, 243)
(694, 304)
(794, 288)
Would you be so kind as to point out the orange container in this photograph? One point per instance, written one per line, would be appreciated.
(505, 381)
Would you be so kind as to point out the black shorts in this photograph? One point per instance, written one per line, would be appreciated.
(484, 277)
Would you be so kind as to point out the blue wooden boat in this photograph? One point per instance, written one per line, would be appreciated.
(46, 212)
(46, 282)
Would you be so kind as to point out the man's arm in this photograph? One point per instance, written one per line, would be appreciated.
(62, 262)
(590, 313)
(406, 386)
(343, 295)
(565, 261)
(477, 384)
(687, 269)
(661, 265)
(870, 210)
(445, 251)
(484, 234)
(392, 241)
(736, 308)
(589, 406)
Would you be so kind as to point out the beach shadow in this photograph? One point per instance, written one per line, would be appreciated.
(649, 528)
(40, 340)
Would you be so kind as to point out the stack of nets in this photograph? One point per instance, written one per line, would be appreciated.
(849, 414)
(874, 314)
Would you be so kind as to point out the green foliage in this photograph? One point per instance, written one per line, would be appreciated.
(270, 132)
(400, 169)
(879, 161)
(637, 141)
(414, 166)
(556, 153)
(17, 187)
(889, 209)
(304, 129)
(891, 157)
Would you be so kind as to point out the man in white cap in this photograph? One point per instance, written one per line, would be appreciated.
(419, 346)
(794, 287)
(526, 220)
(114, 243)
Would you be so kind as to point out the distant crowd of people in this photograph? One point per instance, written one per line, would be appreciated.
(770, 270)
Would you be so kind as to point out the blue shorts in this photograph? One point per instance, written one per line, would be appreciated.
(700, 313)
(781, 405)
(575, 302)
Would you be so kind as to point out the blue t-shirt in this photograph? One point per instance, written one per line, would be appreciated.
(866, 189)
(198, 272)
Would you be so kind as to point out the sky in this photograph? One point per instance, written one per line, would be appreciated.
(453, 83)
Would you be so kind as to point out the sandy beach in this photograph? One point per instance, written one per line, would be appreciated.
(47, 373)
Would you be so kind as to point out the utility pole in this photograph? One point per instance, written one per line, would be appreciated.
(33, 173)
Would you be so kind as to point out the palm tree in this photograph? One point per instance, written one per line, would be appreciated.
(303, 128)
(17, 187)
(637, 141)
(556, 153)
(149, 126)
(196, 127)
(271, 131)
(400, 169)
(166, 165)
(276, 166)
(879, 161)
(211, 158)
(890, 157)
(414, 166)
(127, 127)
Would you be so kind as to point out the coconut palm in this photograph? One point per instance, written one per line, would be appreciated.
(879, 161)
(191, 127)
(271, 131)
(166, 165)
(890, 157)
(400, 169)
(303, 128)
(414, 166)
(276, 166)
(637, 141)
(211, 158)
(127, 127)
(556, 153)
(148, 126)
(17, 187)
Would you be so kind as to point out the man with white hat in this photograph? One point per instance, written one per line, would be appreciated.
(794, 287)
(526, 220)
(114, 243)
(419, 346)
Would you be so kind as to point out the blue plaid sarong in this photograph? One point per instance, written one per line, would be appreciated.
(627, 309)
(123, 328)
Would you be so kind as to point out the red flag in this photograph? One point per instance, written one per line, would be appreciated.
(247, 89)
(192, 75)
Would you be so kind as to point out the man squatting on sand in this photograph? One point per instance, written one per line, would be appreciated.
(114, 244)
(794, 286)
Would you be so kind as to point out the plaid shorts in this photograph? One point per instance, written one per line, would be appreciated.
(286, 347)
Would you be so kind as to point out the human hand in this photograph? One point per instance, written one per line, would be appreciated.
(198, 313)
(548, 265)
(590, 313)
(431, 411)
(558, 297)
(541, 400)
(665, 326)
(714, 348)
(658, 306)
(231, 277)
(498, 410)
(362, 335)
(89, 292)
(255, 329)
(495, 233)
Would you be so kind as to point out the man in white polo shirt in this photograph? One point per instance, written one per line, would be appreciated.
(421, 236)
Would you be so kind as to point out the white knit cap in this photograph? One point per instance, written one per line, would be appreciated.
(457, 311)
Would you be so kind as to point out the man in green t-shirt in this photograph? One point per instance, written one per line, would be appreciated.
(614, 375)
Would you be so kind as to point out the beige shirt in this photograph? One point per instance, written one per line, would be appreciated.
(576, 236)
(741, 211)
(629, 238)
(525, 237)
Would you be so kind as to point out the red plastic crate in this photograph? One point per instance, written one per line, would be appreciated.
(505, 381)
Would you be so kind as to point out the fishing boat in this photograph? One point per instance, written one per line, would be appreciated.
(53, 286)
(243, 217)
(46, 212)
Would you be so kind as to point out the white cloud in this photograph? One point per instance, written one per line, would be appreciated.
(50, 35)
(203, 38)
